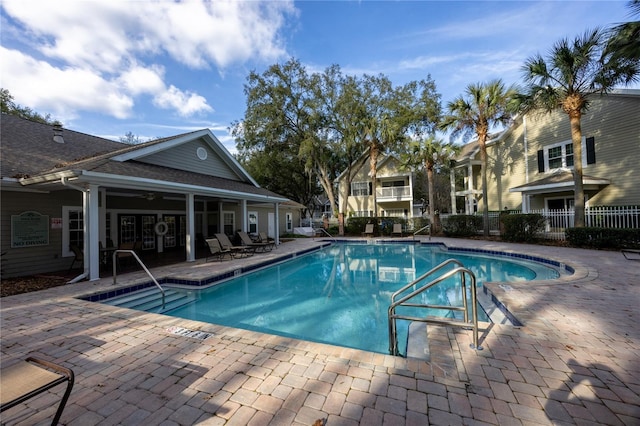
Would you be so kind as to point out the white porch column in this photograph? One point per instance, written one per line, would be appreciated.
(525, 203)
(191, 228)
(243, 219)
(277, 224)
(452, 183)
(102, 217)
(470, 196)
(92, 233)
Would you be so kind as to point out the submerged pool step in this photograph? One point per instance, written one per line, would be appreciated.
(150, 300)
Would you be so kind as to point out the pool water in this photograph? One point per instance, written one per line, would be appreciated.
(340, 294)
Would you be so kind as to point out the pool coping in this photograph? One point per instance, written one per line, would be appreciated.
(503, 315)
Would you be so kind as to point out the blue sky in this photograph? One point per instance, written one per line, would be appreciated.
(159, 68)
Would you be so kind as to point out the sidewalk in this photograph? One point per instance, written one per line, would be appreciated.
(576, 359)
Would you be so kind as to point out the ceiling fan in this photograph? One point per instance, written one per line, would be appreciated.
(150, 196)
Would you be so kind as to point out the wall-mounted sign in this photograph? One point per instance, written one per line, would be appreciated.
(56, 223)
(29, 229)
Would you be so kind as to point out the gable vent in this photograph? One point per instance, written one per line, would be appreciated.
(57, 133)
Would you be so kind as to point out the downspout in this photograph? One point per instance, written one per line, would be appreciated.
(84, 275)
(525, 197)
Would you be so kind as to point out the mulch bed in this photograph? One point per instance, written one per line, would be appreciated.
(13, 286)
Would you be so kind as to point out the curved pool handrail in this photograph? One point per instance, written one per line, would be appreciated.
(463, 272)
(135, 256)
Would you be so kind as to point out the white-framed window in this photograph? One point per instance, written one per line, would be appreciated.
(393, 212)
(289, 222)
(72, 229)
(362, 213)
(560, 203)
(561, 156)
(360, 189)
(253, 222)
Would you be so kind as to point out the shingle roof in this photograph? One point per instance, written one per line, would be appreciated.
(565, 177)
(27, 149)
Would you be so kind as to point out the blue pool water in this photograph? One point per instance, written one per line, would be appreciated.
(340, 294)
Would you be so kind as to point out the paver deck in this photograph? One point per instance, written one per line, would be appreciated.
(576, 359)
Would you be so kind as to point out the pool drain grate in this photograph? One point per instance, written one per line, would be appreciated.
(196, 334)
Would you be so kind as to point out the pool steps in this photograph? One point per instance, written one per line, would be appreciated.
(150, 300)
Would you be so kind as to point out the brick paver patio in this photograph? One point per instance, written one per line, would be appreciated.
(576, 359)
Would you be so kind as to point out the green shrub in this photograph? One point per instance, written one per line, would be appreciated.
(461, 225)
(611, 238)
(333, 230)
(355, 225)
(381, 225)
(522, 228)
(419, 223)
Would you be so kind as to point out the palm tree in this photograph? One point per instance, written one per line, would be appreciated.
(480, 110)
(565, 79)
(624, 41)
(429, 153)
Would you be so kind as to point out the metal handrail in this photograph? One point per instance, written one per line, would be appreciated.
(422, 229)
(460, 269)
(135, 255)
(325, 231)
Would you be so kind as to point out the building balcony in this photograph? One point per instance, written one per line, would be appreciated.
(394, 193)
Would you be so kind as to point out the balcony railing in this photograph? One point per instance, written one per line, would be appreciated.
(394, 193)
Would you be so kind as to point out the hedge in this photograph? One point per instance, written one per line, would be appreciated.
(521, 227)
(461, 225)
(612, 238)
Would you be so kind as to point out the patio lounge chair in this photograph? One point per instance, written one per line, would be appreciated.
(78, 256)
(264, 238)
(368, 230)
(247, 241)
(225, 243)
(397, 229)
(215, 250)
(32, 377)
(125, 257)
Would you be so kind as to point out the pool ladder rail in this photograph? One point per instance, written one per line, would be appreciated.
(135, 256)
(323, 231)
(398, 299)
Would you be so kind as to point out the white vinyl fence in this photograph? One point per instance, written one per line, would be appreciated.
(559, 220)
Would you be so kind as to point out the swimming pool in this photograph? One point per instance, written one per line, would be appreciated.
(340, 294)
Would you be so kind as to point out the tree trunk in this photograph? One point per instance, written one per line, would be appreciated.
(432, 211)
(325, 182)
(578, 197)
(345, 197)
(373, 164)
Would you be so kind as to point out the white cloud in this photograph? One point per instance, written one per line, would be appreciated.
(185, 103)
(138, 80)
(107, 34)
(42, 86)
(101, 55)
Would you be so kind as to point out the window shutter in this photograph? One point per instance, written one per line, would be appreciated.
(591, 150)
(540, 161)
(370, 188)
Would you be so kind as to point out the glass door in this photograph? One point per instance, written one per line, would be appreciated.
(148, 232)
(127, 229)
(170, 238)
